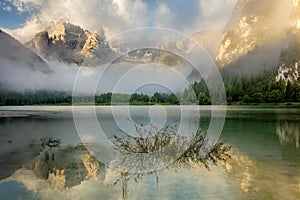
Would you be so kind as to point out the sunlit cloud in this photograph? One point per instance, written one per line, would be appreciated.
(119, 15)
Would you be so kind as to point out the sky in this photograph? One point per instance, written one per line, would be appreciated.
(10, 17)
(23, 18)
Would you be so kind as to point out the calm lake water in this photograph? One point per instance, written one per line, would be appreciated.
(265, 160)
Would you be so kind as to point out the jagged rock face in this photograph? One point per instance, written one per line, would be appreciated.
(289, 69)
(70, 43)
(67, 35)
(254, 24)
(288, 73)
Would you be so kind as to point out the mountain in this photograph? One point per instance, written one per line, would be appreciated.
(70, 43)
(15, 54)
(289, 69)
(255, 35)
(18, 62)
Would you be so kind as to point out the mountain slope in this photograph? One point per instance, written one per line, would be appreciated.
(15, 55)
(289, 69)
(18, 63)
(255, 34)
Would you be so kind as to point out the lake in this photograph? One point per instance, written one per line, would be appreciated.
(42, 155)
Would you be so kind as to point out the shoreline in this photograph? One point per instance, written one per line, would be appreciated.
(283, 104)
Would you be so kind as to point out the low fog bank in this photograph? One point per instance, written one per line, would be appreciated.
(62, 77)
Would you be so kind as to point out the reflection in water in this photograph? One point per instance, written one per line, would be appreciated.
(242, 168)
(253, 179)
(258, 180)
(67, 167)
(288, 133)
(264, 164)
(166, 145)
(199, 151)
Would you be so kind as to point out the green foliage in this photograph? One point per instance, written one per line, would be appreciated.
(189, 96)
(257, 97)
(34, 97)
(164, 98)
(247, 99)
(290, 92)
(173, 100)
(275, 96)
(203, 99)
(259, 89)
(104, 99)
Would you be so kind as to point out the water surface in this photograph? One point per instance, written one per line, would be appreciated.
(265, 160)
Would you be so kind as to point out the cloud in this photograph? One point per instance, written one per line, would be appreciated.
(207, 17)
(26, 5)
(119, 15)
(215, 13)
(114, 16)
(212, 18)
(7, 8)
(30, 28)
(164, 17)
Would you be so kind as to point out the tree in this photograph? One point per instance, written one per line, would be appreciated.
(203, 99)
(281, 85)
(246, 99)
(289, 92)
(155, 98)
(275, 96)
(257, 97)
(173, 99)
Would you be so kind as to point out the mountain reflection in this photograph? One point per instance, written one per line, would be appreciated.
(65, 167)
(288, 133)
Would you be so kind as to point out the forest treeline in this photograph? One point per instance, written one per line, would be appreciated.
(239, 90)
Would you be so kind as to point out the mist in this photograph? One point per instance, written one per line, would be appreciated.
(258, 31)
(151, 57)
(62, 77)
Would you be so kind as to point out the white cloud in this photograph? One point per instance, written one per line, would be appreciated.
(212, 19)
(119, 15)
(132, 12)
(214, 14)
(114, 16)
(164, 17)
(7, 8)
(26, 5)
(29, 29)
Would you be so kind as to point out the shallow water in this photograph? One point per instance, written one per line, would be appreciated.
(265, 160)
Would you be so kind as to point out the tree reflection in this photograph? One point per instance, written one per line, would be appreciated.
(288, 133)
(199, 151)
(68, 166)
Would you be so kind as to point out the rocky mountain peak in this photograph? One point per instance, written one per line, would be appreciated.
(67, 34)
(70, 43)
